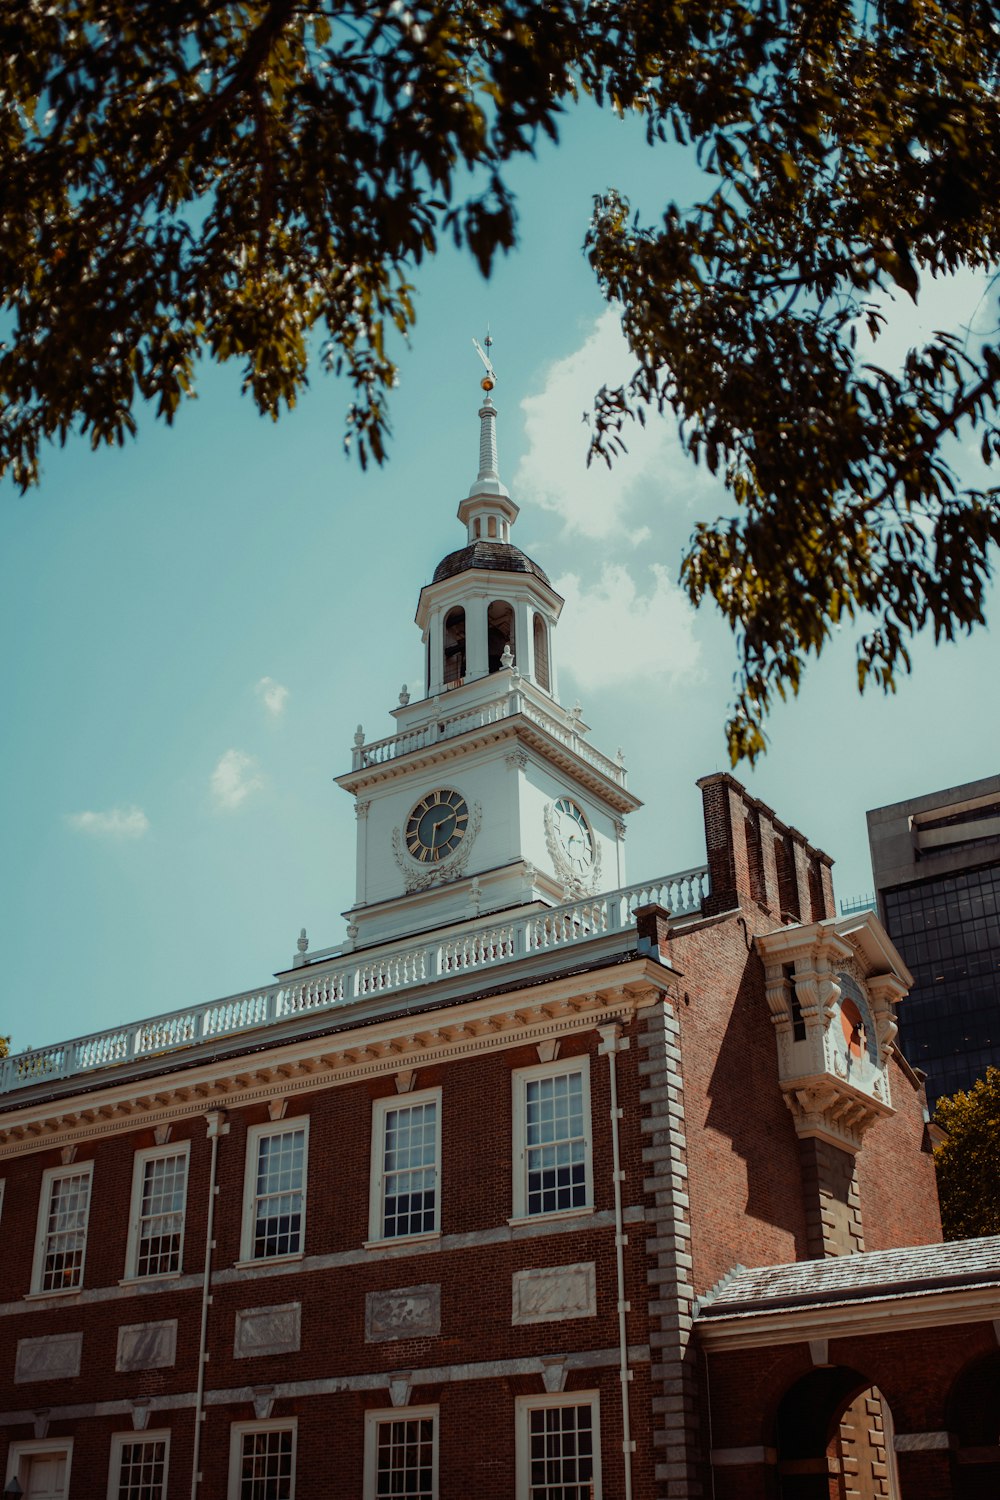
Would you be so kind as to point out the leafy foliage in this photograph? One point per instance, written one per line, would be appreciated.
(202, 176)
(968, 1162)
(4, 1046)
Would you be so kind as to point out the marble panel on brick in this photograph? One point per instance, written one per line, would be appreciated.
(551, 1293)
(147, 1346)
(405, 1313)
(56, 1356)
(268, 1330)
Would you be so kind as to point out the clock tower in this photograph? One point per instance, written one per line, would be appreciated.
(488, 796)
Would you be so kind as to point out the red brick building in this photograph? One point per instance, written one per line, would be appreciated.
(462, 1207)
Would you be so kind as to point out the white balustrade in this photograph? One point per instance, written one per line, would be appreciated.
(477, 717)
(347, 977)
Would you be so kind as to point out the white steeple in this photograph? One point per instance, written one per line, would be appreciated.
(488, 796)
(488, 511)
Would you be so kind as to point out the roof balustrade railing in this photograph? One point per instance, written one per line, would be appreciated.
(350, 977)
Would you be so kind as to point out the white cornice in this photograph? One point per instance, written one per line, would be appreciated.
(795, 1325)
(521, 1016)
(518, 729)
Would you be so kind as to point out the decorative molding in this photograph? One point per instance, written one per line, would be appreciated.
(620, 830)
(561, 1008)
(140, 1413)
(548, 1051)
(263, 1401)
(417, 877)
(276, 1109)
(554, 1293)
(819, 1351)
(54, 1356)
(400, 1386)
(582, 1361)
(67, 1155)
(41, 1422)
(404, 1313)
(268, 1330)
(405, 1080)
(146, 1346)
(554, 1373)
(361, 806)
(517, 760)
(831, 1108)
(575, 885)
(161, 1135)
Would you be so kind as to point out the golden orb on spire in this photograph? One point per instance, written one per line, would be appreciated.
(489, 380)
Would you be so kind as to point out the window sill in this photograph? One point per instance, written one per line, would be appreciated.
(402, 1239)
(555, 1218)
(63, 1291)
(270, 1260)
(150, 1280)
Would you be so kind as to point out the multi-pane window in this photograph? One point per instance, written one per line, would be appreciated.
(559, 1447)
(406, 1154)
(156, 1229)
(262, 1461)
(61, 1241)
(139, 1466)
(274, 1223)
(552, 1138)
(401, 1454)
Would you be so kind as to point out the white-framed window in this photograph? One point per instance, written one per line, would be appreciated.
(41, 1467)
(262, 1460)
(557, 1445)
(401, 1453)
(406, 1166)
(274, 1195)
(552, 1139)
(61, 1235)
(139, 1466)
(156, 1219)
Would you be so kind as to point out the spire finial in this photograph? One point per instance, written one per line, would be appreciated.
(490, 378)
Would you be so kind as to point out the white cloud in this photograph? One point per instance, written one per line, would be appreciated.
(963, 303)
(595, 501)
(116, 823)
(234, 779)
(611, 633)
(273, 695)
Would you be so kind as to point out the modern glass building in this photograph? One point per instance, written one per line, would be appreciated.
(936, 861)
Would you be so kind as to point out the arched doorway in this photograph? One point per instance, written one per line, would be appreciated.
(834, 1438)
(974, 1423)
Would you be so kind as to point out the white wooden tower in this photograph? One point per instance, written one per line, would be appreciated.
(488, 796)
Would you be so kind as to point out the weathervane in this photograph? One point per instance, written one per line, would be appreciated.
(490, 378)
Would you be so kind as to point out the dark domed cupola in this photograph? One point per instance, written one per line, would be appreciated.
(488, 605)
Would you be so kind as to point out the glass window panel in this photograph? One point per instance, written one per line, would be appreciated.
(266, 1465)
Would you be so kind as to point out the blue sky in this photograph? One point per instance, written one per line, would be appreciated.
(193, 626)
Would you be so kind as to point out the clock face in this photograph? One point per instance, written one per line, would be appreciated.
(573, 834)
(436, 826)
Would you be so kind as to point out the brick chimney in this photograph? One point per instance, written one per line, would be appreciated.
(756, 860)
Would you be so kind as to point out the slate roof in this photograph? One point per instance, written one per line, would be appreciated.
(500, 556)
(876, 1275)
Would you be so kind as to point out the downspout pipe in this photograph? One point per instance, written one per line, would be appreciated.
(216, 1127)
(612, 1042)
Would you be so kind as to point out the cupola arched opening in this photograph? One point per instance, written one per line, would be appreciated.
(541, 644)
(499, 632)
(491, 526)
(454, 647)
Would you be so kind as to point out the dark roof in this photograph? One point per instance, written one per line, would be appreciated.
(500, 556)
(870, 1276)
